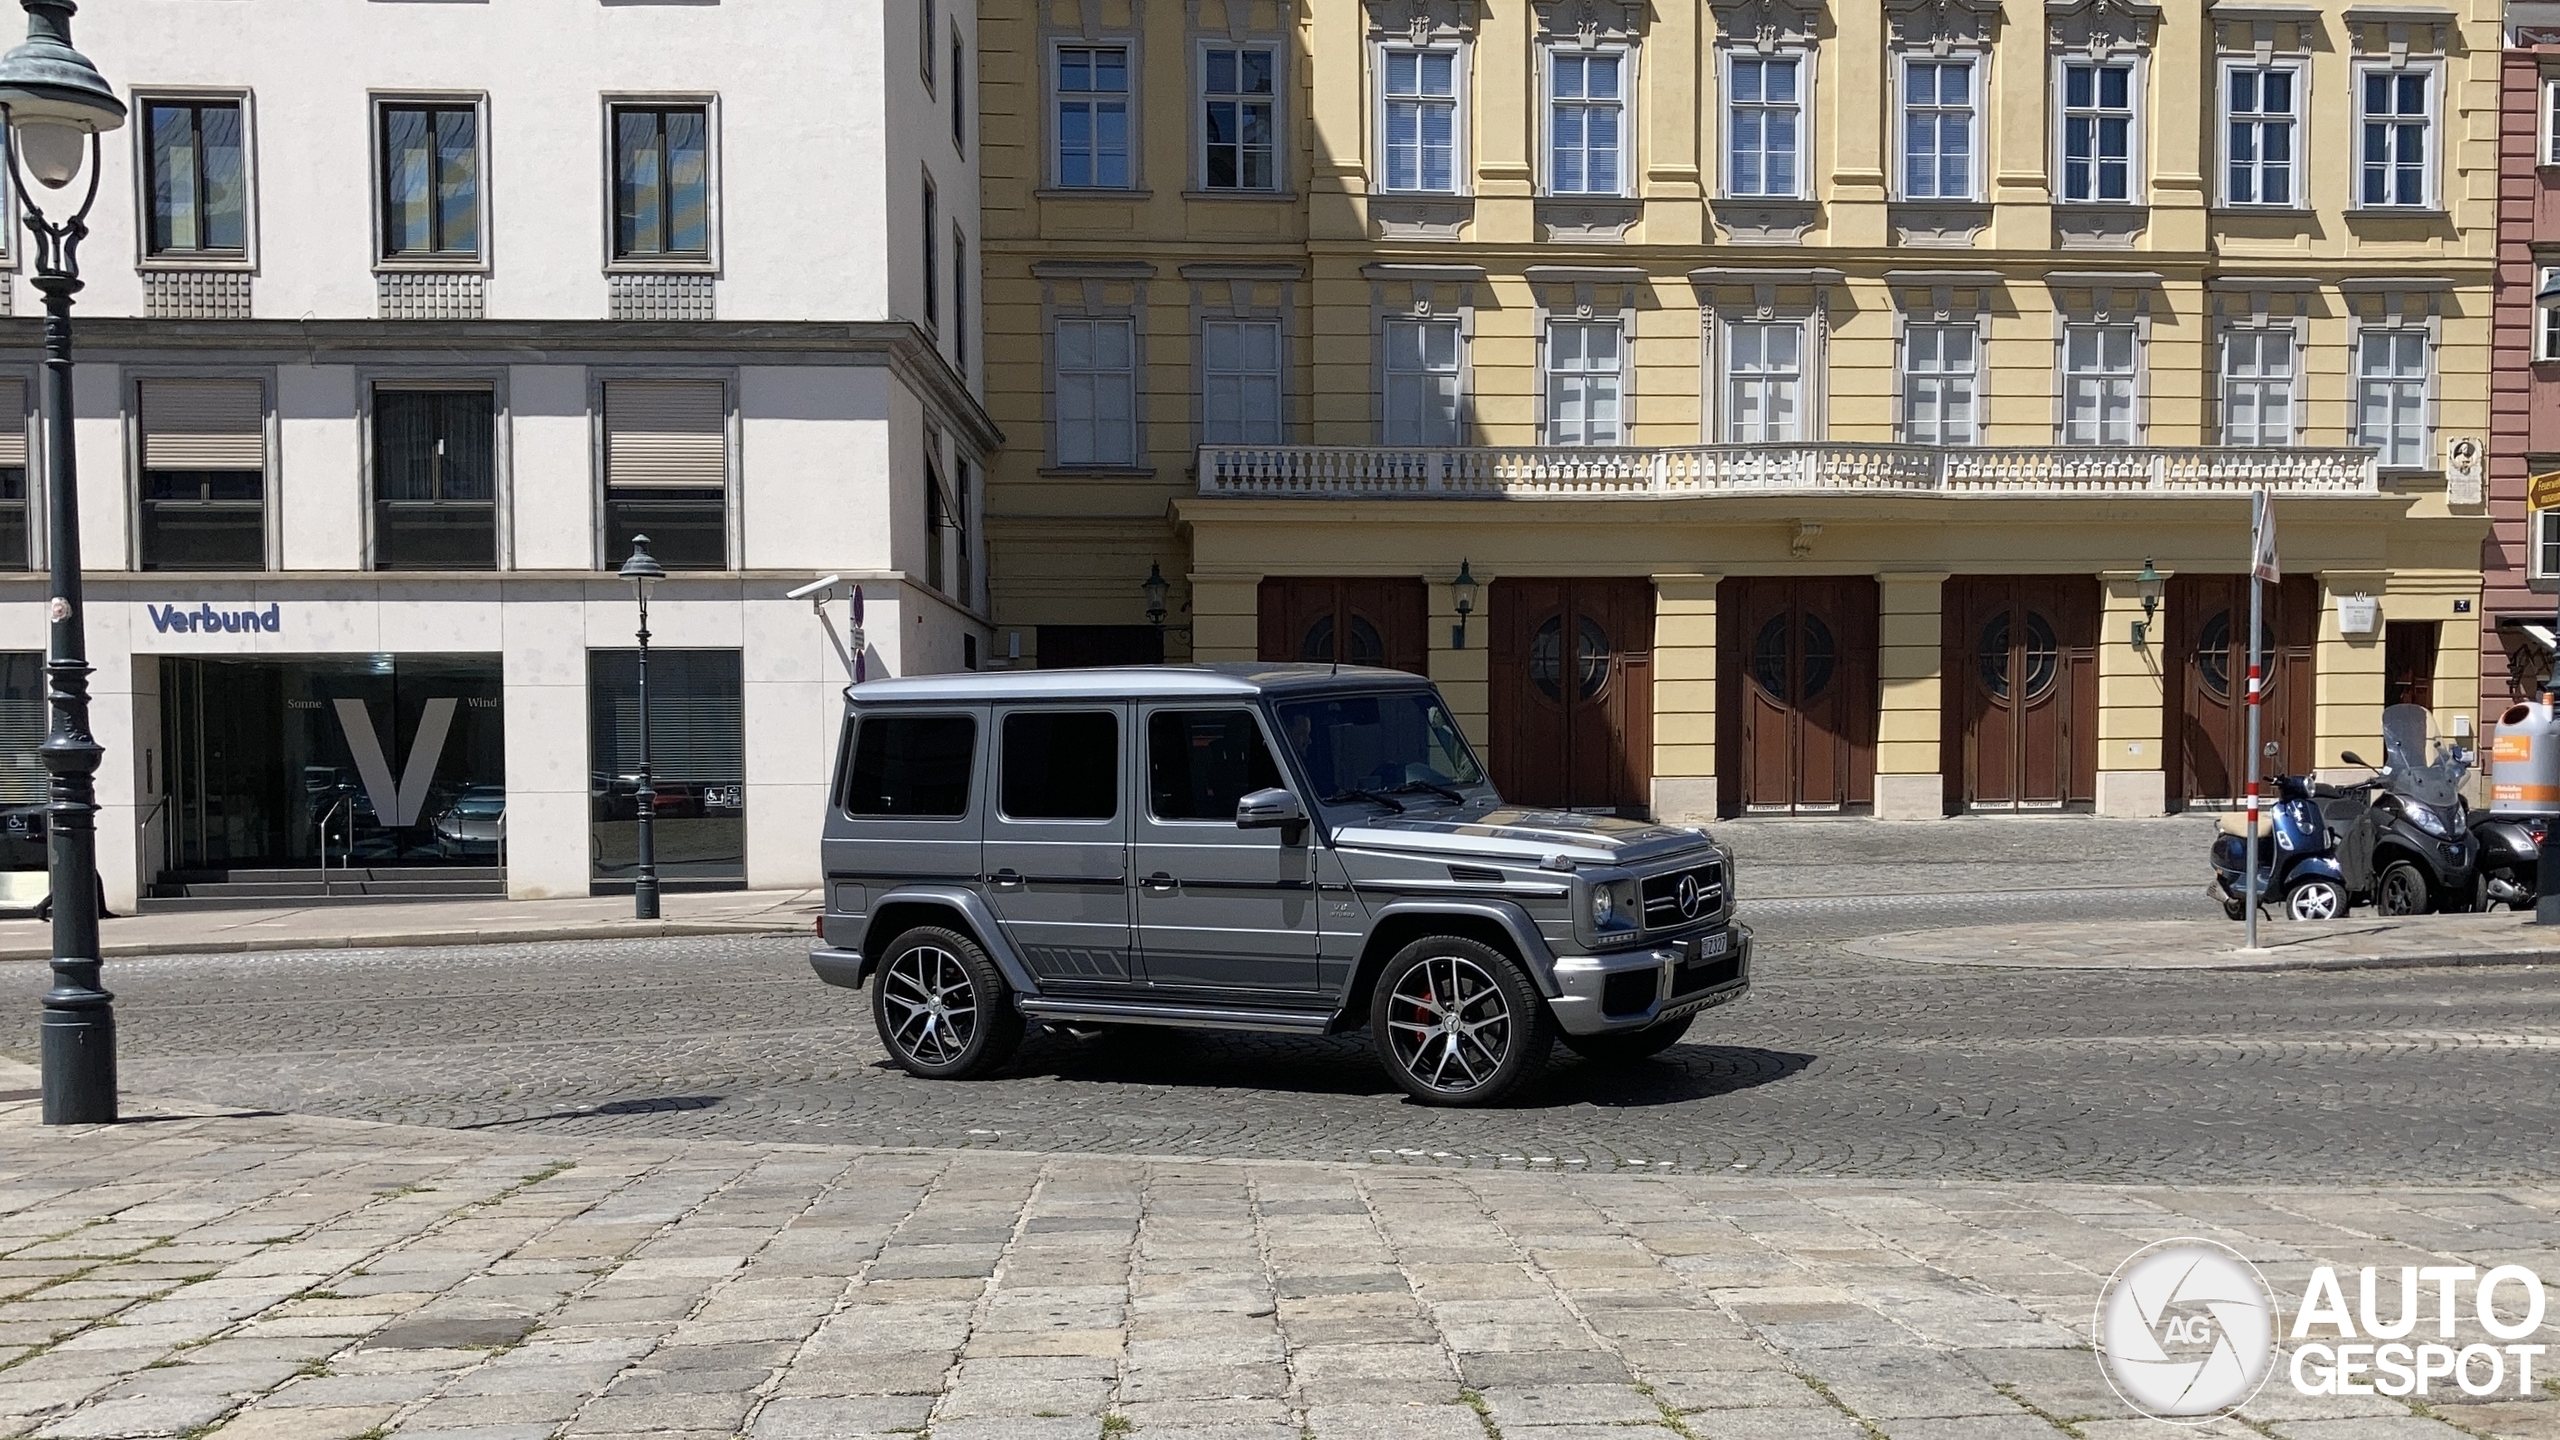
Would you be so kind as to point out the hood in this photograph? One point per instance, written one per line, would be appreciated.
(1519, 835)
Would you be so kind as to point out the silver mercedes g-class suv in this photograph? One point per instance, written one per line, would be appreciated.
(1304, 849)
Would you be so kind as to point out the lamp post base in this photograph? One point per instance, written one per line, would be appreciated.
(79, 1052)
(644, 898)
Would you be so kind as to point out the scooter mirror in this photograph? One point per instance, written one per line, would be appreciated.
(2272, 748)
(2353, 758)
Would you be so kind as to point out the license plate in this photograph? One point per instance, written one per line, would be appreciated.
(1711, 946)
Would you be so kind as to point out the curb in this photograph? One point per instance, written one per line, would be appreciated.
(606, 930)
(2426, 961)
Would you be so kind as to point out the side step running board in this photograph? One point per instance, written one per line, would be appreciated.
(1127, 1012)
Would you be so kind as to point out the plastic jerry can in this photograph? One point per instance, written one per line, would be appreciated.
(2524, 761)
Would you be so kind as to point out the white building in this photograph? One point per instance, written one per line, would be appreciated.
(400, 321)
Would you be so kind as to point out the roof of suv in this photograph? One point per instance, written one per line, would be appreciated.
(1229, 678)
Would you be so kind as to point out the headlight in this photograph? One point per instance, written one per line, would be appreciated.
(1614, 905)
(2431, 820)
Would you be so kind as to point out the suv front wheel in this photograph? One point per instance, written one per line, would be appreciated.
(1457, 1022)
(942, 1006)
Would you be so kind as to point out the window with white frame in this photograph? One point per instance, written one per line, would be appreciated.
(1764, 383)
(2546, 314)
(2551, 120)
(1423, 390)
(2100, 377)
(2259, 118)
(2098, 132)
(1240, 382)
(2258, 385)
(1941, 375)
(1586, 122)
(2546, 545)
(2391, 394)
(1097, 391)
(1420, 91)
(1093, 117)
(2395, 127)
(1938, 128)
(1764, 125)
(1586, 360)
(1238, 88)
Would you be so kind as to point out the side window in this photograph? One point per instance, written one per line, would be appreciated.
(1201, 762)
(1061, 765)
(915, 766)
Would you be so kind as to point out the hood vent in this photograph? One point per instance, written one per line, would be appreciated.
(1474, 875)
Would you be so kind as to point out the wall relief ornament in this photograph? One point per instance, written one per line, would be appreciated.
(2101, 28)
(1939, 26)
(1766, 24)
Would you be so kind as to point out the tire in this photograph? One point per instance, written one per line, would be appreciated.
(2316, 899)
(1628, 1046)
(2401, 890)
(1474, 1051)
(2235, 910)
(943, 1008)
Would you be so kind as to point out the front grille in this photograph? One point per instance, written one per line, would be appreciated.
(1662, 895)
(1629, 992)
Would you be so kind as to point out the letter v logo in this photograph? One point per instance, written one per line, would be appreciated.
(397, 808)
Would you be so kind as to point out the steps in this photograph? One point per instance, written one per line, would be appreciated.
(345, 885)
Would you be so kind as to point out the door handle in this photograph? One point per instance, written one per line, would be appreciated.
(1007, 879)
(1161, 883)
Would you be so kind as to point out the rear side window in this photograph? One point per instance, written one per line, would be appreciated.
(1201, 762)
(911, 765)
(1061, 765)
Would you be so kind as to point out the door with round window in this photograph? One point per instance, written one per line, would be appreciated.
(1796, 697)
(1572, 693)
(2021, 666)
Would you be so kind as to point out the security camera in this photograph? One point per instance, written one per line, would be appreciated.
(813, 587)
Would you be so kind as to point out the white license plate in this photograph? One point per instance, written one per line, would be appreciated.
(1711, 946)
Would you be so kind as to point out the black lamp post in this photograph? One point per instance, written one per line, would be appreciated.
(57, 104)
(643, 571)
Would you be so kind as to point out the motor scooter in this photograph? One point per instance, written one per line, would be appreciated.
(2411, 851)
(2298, 864)
(2510, 857)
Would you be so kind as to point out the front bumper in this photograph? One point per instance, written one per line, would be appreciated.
(840, 967)
(1684, 983)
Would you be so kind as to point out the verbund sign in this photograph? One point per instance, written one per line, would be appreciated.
(206, 620)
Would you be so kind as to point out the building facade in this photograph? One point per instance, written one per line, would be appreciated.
(2520, 564)
(401, 322)
(1801, 390)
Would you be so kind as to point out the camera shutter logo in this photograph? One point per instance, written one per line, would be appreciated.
(2186, 1330)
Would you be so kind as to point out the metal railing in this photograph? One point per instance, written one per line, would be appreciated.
(1496, 472)
(345, 804)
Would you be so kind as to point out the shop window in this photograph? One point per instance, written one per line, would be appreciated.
(434, 480)
(697, 761)
(24, 785)
(15, 554)
(204, 482)
(667, 471)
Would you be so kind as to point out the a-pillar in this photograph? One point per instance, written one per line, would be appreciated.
(2347, 678)
(2132, 781)
(1460, 661)
(1910, 779)
(1684, 698)
(1224, 623)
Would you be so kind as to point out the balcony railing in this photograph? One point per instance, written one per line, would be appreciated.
(1381, 472)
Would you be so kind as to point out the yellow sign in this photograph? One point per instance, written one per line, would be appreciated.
(2542, 492)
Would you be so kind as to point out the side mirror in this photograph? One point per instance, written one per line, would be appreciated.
(1269, 810)
(2353, 758)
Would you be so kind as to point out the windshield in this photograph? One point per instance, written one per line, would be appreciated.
(1399, 743)
(2423, 768)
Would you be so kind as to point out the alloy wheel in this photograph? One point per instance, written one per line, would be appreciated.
(933, 1010)
(2403, 891)
(2316, 900)
(1450, 1024)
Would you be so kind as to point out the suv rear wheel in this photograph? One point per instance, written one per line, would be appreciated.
(942, 1006)
(1456, 1022)
(1628, 1046)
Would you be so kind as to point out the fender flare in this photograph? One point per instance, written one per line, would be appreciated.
(982, 923)
(1515, 922)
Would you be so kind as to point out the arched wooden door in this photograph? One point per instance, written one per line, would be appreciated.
(1796, 693)
(2020, 675)
(1376, 620)
(2206, 691)
(1572, 693)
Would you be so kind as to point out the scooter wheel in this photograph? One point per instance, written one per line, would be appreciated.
(2401, 891)
(2316, 900)
(2234, 910)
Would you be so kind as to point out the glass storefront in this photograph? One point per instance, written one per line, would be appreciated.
(379, 759)
(24, 786)
(697, 741)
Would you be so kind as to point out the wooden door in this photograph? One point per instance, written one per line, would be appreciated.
(2409, 662)
(1372, 621)
(1572, 693)
(1796, 693)
(2020, 677)
(2206, 689)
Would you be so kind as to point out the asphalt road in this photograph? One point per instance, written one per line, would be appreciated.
(1834, 1064)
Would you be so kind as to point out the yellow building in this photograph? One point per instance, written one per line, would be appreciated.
(1804, 388)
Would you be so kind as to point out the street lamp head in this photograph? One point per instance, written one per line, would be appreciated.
(2149, 585)
(1156, 588)
(1463, 590)
(642, 569)
(54, 97)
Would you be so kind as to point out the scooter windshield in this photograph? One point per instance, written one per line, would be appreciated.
(2423, 769)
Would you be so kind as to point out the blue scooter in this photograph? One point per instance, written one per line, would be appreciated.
(2297, 841)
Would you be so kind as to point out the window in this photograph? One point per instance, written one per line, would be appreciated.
(964, 566)
(666, 445)
(1093, 117)
(2259, 118)
(937, 520)
(2394, 108)
(1061, 765)
(1422, 382)
(1586, 124)
(2546, 328)
(1236, 127)
(1240, 382)
(932, 259)
(199, 183)
(924, 46)
(1764, 384)
(1584, 362)
(1422, 120)
(2257, 387)
(2551, 120)
(435, 497)
(2391, 395)
(661, 182)
(911, 765)
(959, 92)
(2098, 381)
(960, 299)
(14, 551)
(1764, 110)
(1097, 392)
(697, 763)
(204, 475)
(2546, 548)
(1940, 373)
(2097, 132)
(1937, 129)
(1201, 762)
(430, 182)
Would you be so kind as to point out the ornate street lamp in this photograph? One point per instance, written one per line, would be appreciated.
(643, 571)
(2149, 585)
(1463, 591)
(1156, 588)
(57, 105)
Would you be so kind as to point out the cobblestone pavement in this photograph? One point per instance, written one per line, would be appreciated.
(277, 1278)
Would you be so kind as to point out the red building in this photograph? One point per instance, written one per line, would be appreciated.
(2524, 421)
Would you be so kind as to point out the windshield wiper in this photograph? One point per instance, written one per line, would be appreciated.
(1338, 796)
(1443, 791)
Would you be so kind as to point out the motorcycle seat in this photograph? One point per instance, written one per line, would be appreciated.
(2236, 822)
